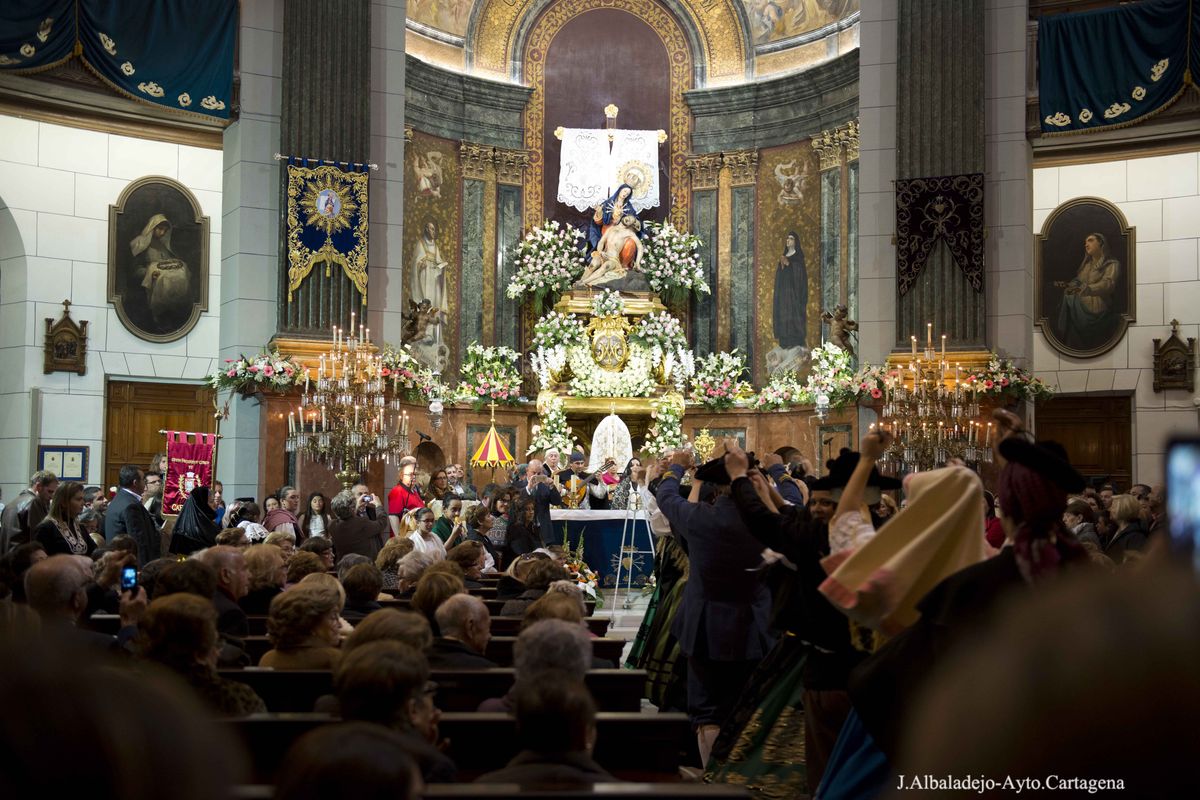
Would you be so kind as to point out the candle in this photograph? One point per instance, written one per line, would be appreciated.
(356, 416)
(324, 424)
(914, 346)
(928, 335)
(943, 347)
(306, 380)
(291, 423)
(987, 436)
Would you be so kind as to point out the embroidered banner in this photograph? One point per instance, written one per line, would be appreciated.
(949, 209)
(593, 163)
(189, 464)
(326, 221)
(1115, 66)
(176, 54)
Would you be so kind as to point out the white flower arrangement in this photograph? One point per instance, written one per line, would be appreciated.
(672, 262)
(718, 379)
(553, 430)
(608, 304)
(1002, 377)
(666, 432)
(490, 373)
(589, 380)
(268, 371)
(782, 391)
(548, 260)
(555, 329)
(400, 367)
(664, 336)
(831, 381)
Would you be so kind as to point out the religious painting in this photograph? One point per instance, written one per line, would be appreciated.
(157, 259)
(778, 20)
(1086, 279)
(787, 258)
(448, 16)
(431, 249)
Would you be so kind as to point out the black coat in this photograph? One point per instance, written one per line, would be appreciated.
(127, 515)
(55, 543)
(258, 602)
(1132, 539)
(544, 495)
(231, 619)
(530, 769)
(453, 654)
(726, 607)
(358, 535)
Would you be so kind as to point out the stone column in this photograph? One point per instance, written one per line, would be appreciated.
(705, 171)
(250, 231)
(743, 175)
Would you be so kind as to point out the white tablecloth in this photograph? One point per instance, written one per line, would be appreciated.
(587, 515)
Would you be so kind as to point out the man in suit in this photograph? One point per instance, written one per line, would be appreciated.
(466, 630)
(722, 624)
(544, 494)
(351, 533)
(57, 588)
(27, 510)
(127, 515)
(233, 583)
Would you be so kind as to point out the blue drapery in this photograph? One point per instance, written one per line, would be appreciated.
(1115, 66)
(173, 53)
(326, 220)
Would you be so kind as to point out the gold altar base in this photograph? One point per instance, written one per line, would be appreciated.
(307, 352)
(637, 304)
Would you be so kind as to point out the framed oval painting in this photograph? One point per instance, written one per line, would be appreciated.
(157, 259)
(1086, 280)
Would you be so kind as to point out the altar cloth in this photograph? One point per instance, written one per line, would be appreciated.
(601, 532)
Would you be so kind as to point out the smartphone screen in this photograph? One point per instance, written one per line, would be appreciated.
(1183, 498)
(128, 578)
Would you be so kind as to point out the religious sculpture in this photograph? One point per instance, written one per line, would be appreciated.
(614, 245)
(840, 328)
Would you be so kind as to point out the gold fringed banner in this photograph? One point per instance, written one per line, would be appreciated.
(326, 221)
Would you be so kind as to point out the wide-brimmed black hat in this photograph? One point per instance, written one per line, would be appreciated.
(713, 472)
(842, 467)
(1047, 458)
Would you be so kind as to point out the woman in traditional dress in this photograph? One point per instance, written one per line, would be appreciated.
(196, 527)
(626, 488)
(58, 532)
(1085, 318)
(790, 302)
(165, 276)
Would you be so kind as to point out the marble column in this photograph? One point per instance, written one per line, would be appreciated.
(705, 171)
(743, 175)
(250, 231)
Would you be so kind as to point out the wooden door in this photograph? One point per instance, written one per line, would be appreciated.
(136, 412)
(1097, 433)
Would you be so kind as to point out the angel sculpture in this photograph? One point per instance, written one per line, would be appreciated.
(840, 328)
(417, 320)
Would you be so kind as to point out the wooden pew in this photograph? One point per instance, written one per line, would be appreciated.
(501, 626)
(494, 606)
(632, 746)
(458, 690)
(499, 650)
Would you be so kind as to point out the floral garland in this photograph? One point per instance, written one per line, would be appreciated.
(490, 373)
(548, 260)
(608, 304)
(268, 371)
(672, 262)
(663, 335)
(782, 391)
(406, 372)
(830, 378)
(1002, 377)
(666, 432)
(553, 430)
(553, 334)
(718, 379)
(589, 380)
(579, 571)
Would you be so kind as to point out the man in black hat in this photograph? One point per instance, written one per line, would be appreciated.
(576, 481)
(723, 620)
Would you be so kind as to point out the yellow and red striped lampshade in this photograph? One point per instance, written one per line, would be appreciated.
(492, 452)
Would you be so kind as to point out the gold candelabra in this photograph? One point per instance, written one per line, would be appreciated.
(350, 413)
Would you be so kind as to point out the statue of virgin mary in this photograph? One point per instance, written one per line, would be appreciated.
(609, 213)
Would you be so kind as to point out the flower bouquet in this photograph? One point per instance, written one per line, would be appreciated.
(579, 571)
(672, 262)
(666, 430)
(552, 431)
(1003, 378)
(608, 304)
(669, 353)
(267, 371)
(718, 380)
(782, 391)
(490, 373)
(553, 335)
(402, 369)
(548, 260)
(830, 379)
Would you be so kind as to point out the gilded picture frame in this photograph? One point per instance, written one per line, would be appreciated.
(158, 241)
(1086, 277)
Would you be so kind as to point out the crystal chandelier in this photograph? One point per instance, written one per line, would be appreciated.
(932, 414)
(350, 414)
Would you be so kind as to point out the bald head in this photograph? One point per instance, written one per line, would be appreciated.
(535, 467)
(57, 585)
(229, 563)
(466, 618)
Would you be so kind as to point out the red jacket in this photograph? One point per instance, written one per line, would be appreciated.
(402, 499)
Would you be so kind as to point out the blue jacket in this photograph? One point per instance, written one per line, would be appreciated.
(726, 607)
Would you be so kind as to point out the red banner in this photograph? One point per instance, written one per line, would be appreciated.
(189, 464)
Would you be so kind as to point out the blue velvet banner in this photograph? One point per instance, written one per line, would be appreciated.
(326, 220)
(173, 53)
(1115, 66)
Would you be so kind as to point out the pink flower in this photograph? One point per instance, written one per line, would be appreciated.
(1004, 381)
(232, 373)
(268, 370)
(876, 394)
(988, 384)
(385, 372)
(252, 368)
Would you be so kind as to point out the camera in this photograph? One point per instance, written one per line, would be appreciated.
(368, 498)
(129, 579)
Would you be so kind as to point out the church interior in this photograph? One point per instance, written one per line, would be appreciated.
(772, 373)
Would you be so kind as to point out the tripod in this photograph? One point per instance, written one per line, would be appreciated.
(629, 534)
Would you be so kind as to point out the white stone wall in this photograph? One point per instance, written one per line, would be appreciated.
(56, 184)
(1160, 197)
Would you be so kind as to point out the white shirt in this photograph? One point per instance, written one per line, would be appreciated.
(432, 545)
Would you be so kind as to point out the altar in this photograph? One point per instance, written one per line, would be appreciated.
(601, 532)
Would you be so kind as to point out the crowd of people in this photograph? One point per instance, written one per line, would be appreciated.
(821, 636)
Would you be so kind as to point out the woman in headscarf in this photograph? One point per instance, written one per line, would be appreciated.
(790, 301)
(165, 276)
(196, 527)
(625, 488)
(1086, 317)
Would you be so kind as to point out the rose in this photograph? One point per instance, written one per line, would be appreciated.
(876, 394)
(268, 370)
(988, 384)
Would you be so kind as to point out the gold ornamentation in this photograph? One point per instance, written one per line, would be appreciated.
(108, 44)
(43, 33)
(1139, 92)
(151, 88)
(6, 61)
(511, 165)
(534, 58)
(28, 50)
(185, 99)
(475, 159)
(127, 68)
(1116, 110)
(212, 103)
(704, 444)
(1086, 115)
(610, 349)
(743, 166)
(847, 136)
(1159, 69)
(705, 171)
(1059, 120)
(826, 146)
(638, 175)
(611, 111)
(327, 197)
(408, 133)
